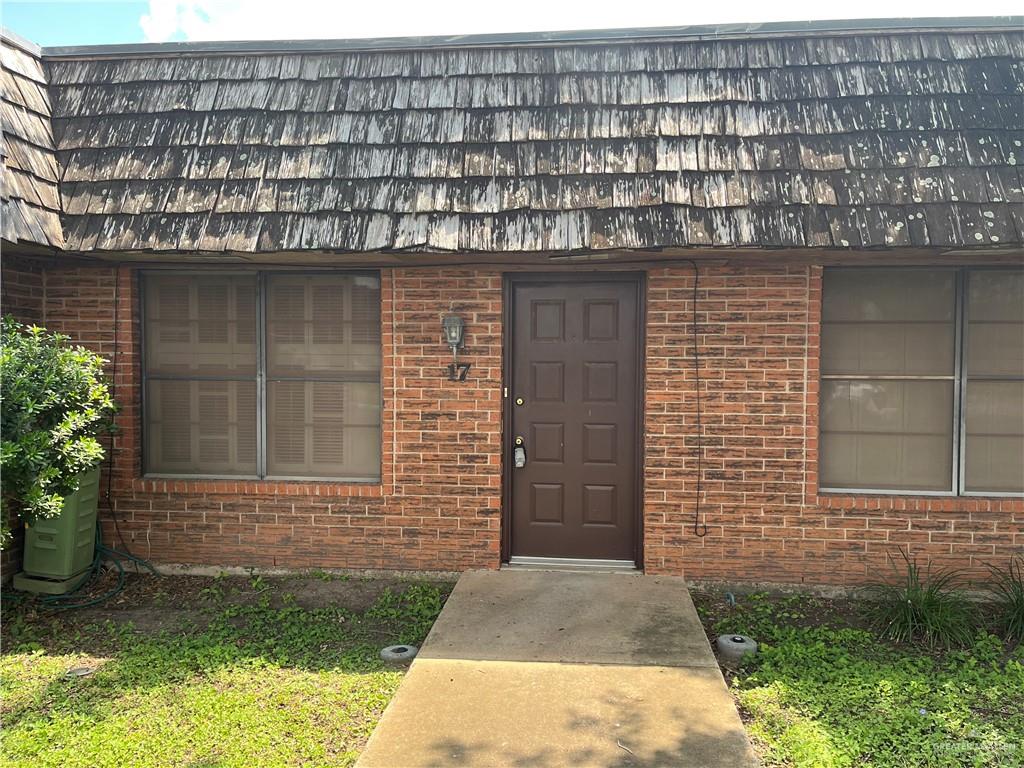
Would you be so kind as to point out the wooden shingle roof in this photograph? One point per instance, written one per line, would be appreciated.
(29, 198)
(890, 139)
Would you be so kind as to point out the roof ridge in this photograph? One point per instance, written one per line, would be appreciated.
(589, 36)
(17, 41)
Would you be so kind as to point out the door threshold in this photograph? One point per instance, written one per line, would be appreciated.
(570, 564)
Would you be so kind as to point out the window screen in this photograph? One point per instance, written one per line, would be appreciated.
(200, 349)
(893, 379)
(994, 380)
(323, 370)
(888, 369)
(298, 397)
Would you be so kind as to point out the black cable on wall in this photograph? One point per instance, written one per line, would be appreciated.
(700, 527)
(110, 452)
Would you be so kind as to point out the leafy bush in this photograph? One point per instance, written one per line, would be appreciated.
(55, 403)
(925, 606)
(1007, 589)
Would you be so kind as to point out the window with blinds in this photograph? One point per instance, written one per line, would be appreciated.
(323, 375)
(994, 382)
(922, 381)
(297, 396)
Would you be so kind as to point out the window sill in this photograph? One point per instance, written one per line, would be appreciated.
(242, 487)
(884, 494)
(936, 501)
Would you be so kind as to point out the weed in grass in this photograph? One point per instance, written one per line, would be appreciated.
(924, 606)
(761, 616)
(323, 575)
(419, 603)
(823, 694)
(1007, 588)
(213, 593)
(830, 697)
(254, 685)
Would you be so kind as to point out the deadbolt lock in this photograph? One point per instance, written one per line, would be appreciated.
(519, 440)
(519, 401)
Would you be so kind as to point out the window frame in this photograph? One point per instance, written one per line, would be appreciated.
(959, 379)
(261, 377)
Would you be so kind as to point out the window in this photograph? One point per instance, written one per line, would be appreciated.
(994, 381)
(262, 375)
(922, 381)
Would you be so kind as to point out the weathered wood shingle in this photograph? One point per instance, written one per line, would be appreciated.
(888, 139)
(29, 175)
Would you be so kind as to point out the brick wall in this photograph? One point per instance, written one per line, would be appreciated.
(21, 288)
(21, 295)
(758, 331)
(438, 505)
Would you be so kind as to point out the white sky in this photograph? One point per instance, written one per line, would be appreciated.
(308, 19)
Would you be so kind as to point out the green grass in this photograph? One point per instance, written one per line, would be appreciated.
(252, 684)
(825, 693)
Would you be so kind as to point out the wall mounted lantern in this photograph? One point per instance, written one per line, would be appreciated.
(453, 327)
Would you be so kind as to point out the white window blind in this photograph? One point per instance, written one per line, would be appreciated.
(994, 380)
(905, 353)
(887, 363)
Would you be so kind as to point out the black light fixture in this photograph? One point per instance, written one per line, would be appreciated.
(453, 325)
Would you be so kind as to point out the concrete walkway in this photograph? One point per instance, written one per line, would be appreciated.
(549, 669)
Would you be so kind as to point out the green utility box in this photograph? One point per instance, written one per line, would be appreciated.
(60, 549)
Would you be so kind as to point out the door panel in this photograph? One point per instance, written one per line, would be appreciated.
(575, 354)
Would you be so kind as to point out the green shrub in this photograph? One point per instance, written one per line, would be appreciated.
(1007, 588)
(55, 403)
(925, 606)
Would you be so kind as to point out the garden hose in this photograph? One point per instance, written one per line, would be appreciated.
(58, 602)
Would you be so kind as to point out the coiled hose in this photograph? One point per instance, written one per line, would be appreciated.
(61, 602)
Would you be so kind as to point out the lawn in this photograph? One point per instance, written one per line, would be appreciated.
(826, 692)
(208, 672)
(221, 672)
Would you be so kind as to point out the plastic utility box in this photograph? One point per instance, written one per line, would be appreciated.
(59, 550)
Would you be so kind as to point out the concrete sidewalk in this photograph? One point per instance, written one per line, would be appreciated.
(546, 669)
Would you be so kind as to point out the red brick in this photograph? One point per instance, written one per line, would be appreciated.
(437, 506)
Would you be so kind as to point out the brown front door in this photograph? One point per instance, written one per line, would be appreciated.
(574, 393)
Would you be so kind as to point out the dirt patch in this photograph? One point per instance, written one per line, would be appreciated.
(356, 593)
(155, 604)
(801, 610)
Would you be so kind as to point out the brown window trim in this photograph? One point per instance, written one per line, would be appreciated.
(882, 503)
(255, 487)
